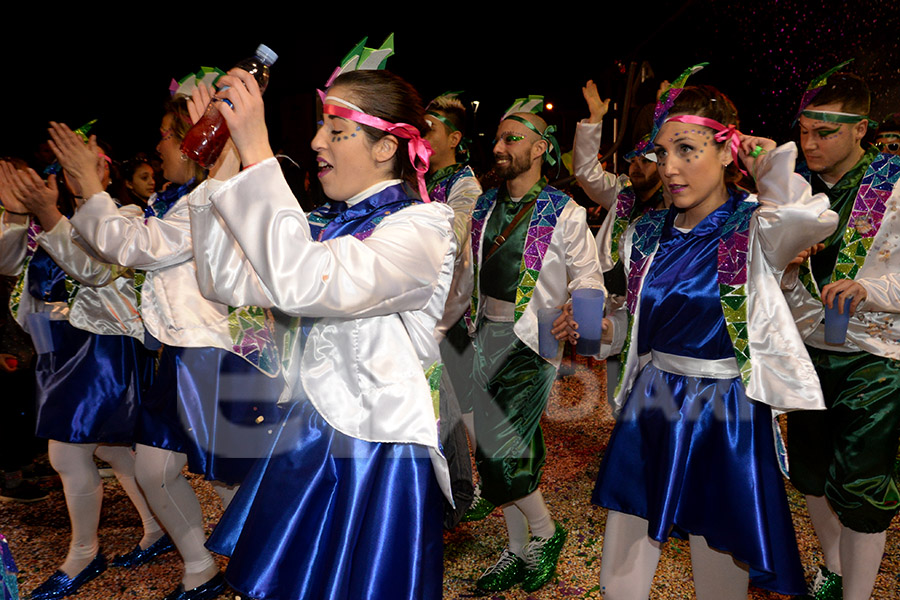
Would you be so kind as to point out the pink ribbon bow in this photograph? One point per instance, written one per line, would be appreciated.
(724, 133)
(419, 148)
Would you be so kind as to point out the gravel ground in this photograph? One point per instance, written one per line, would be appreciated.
(576, 427)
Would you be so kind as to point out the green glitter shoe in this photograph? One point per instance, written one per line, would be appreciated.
(826, 586)
(479, 509)
(541, 556)
(507, 572)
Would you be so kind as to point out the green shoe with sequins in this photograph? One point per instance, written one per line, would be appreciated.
(826, 586)
(479, 509)
(507, 572)
(541, 556)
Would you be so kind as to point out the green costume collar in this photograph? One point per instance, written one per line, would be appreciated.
(441, 174)
(531, 194)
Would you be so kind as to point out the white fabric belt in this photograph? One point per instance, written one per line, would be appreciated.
(722, 368)
(499, 311)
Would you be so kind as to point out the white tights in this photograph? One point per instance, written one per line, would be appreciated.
(175, 504)
(84, 496)
(629, 559)
(524, 513)
(854, 555)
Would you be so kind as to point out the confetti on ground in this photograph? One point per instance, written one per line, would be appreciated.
(576, 428)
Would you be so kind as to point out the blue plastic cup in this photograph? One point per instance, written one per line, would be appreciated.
(548, 345)
(587, 310)
(836, 323)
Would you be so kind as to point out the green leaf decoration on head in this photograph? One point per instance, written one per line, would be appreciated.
(664, 105)
(815, 86)
(361, 58)
(185, 86)
(85, 129)
(822, 79)
(531, 104)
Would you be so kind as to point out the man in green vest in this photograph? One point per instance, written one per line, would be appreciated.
(843, 458)
(532, 247)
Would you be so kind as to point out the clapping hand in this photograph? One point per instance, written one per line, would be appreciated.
(10, 196)
(81, 161)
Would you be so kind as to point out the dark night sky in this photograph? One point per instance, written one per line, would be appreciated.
(762, 54)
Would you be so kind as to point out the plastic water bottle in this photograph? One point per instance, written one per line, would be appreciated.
(206, 139)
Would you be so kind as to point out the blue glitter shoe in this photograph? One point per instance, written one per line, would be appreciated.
(59, 585)
(139, 557)
(209, 590)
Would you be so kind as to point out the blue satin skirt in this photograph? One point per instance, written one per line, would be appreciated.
(89, 386)
(213, 406)
(694, 456)
(331, 516)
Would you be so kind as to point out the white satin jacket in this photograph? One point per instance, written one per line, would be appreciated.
(601, 186)
(173, 309)
(461, 198)
(375, 301)
(875, 327)
(105, 303)
(789, 219)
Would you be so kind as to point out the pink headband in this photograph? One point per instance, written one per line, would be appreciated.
(724, 133)
(419, 148)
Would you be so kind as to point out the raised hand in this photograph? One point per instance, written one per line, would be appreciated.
(750, 155)
(10, 197)
(81, 161)
(596, 105)
(245, 114)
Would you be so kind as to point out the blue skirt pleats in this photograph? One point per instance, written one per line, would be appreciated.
(331, 516)
(695, 456)
(213, 406)
(89, 386)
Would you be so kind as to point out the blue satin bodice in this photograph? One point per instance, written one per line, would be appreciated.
(681, 310)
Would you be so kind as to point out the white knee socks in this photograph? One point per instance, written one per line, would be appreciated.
(524, 513)
(854, 555)
(828, 529)
(517, 528)
(861, 555)
(535, 510)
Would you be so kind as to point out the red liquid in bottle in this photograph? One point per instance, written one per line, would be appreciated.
(204, 142)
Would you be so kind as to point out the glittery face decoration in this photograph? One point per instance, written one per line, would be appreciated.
(827, 146)
(337, 136)
(691, 172)
(700, 135)
(509, 138)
